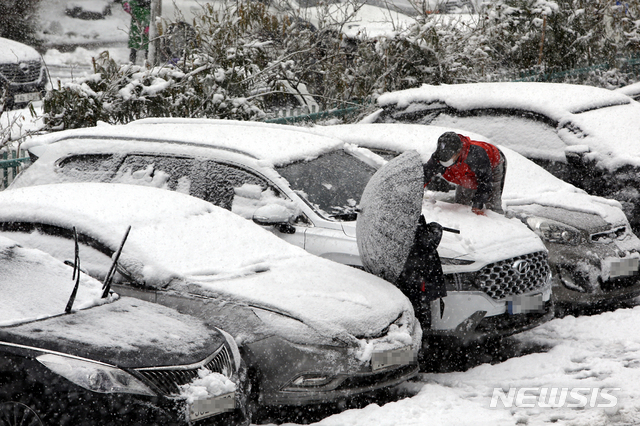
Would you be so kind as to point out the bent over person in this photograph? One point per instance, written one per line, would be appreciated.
(477, 168)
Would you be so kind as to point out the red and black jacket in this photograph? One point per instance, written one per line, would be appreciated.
(472, 169)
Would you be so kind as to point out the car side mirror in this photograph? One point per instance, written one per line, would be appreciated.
(274, 215)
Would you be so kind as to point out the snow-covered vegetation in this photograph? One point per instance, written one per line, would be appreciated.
(243, 61)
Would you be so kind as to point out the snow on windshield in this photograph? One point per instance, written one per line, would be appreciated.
(34, 285)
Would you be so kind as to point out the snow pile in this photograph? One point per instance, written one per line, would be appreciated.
(207, 385)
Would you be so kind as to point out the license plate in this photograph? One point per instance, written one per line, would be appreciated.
(203, 408)
(525, 304)
(623, 267)
(26, 97)
(385, 359)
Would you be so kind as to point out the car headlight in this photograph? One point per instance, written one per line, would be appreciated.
(94, 376)
(554, 232)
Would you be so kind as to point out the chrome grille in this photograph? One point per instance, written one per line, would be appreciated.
(513, 276)
(25, 72)
(168, 379)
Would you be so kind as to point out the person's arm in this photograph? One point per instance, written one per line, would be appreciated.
(479, 163)
(432, 168)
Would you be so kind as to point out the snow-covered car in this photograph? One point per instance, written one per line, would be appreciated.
(306, 189)
(593, 254)
(22, 74)
(309, 330)
(587, 136)
(83, 355)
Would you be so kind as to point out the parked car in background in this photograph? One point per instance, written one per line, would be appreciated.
(23, 78)
(85, 358)
(593, 254)
(587, 136)
(305, 188)
(309, 330)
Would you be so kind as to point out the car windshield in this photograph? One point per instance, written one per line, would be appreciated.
(37, 286)
(332, 183)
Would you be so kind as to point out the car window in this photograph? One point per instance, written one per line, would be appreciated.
(332, 183)
(526, 134)
(89, 167)
(166, 172)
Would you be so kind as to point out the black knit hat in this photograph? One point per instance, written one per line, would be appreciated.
(449, 144)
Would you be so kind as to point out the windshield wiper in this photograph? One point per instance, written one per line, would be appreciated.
(106, 286)
(76, 273)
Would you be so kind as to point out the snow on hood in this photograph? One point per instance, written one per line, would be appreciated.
(609, 120)
(272, 144)
(525, 183)
(483, 238)
(13, 52)
(177, 239)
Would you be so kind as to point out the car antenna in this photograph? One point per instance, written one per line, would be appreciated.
(106, 286)
(76, 273)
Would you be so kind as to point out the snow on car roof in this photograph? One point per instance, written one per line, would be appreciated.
(525, 182)
(609, 120)
(35, 285)
(273, 143)
(180, 240)
(554, 100)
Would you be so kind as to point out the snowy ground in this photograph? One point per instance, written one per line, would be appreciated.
(585, 355)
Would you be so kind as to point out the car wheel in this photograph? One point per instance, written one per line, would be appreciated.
(17, 414)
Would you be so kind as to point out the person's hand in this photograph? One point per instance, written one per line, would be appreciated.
(478, 211)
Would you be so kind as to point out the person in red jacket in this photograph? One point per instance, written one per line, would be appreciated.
(477, 168)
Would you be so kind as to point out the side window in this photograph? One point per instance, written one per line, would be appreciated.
(167, 172)
(88, 167)
(237, 189)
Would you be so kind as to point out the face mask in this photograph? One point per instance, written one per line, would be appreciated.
(448, 163)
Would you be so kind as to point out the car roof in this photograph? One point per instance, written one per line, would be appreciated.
(277, 144)
(554, 100)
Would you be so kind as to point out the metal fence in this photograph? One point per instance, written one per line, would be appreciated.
(11, 162)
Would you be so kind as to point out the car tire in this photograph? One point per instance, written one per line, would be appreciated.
(16, 413)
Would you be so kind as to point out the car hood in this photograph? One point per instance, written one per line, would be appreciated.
(12, 52)
(337, 301)
(482, 239)
(129, 333)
